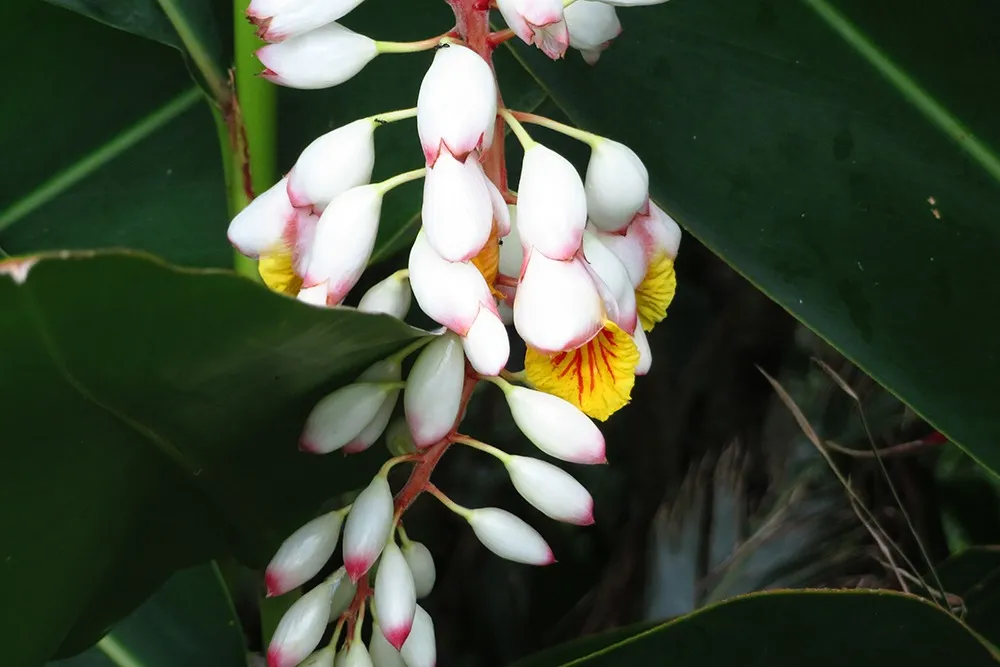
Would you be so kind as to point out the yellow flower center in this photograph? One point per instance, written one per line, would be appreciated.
(656, 291)
(596, 377)
(277, 270)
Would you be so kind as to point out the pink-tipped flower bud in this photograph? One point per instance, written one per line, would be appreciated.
(629, 247)
(341, 417)
(645, 353)
(391, 296)
(450, 293)
(303, 554)
(382, 652)
(420, 648)
(421, 562)
(557, 306)
(555, 426)
(617, 185)
(320, 58)
(659, 231)
(592, 25)
(551, 490)
(387, 370)
(613, 274)
(301, 628)
(266, 223)
(433, 393)
(486, 344)
(368, 526)
(354, 654)
(551, 204)
(538, 22)
(345, 237)
(279, 19)
(509, 537)
(395, 595)
(457, 116)
(457, 212)
(333, 164)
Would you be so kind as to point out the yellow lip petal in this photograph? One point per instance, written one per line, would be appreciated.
(277, 270)
(596, 377)
(656, 291)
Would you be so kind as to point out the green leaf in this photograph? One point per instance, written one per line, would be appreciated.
(838, 159)
(974, 576)
(190, 621)
(791, 629)
(158, 411)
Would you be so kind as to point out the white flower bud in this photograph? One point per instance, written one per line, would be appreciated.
(345, 237)
(617, 185)
(511, 251)
(551, 204)
(555, 426)
(450, 293)
(501, 210)
(509, 537)
(551, 490)
(538, 22)
(265, 223)
(280, 19)
(629, 248)
(332, 164)
(382, 652)
(420, 649)
(633, 3)
(592, 25)
(421, 562)
(321, 658)
(320, 58)
(457, 211)
(387, 370)
(398, 439)
(341, 417)
(354, 655)
(303, 554)
(660, 232)
(391, 296)
(433, 391)
(459, 117)
(395, 595)
(343, 592)
(614, 275)
(486, 344)
(300, 629)
(368, 526)
(645, 354)
(557, 306)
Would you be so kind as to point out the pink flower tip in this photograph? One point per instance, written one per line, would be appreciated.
(357, 568)
(275, 658)
(551, 559)
(308, 447)
(397, 636)
(272, 584)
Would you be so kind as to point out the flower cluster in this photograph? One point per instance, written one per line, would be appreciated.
(582, 268)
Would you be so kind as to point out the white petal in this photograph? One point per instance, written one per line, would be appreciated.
(395, 595)
(450, 293)
(509, 537)
(301, 628)
(355, 655)
(382, 652)
(537, 22)
(420, 649)
(661, 232)
(321, 658)
(552, 490)
(591, 24)
(421, 562)
(633, 3)
(433, 391)
(486, 345)
(375, 427)
(617, 185)
(265, 223)
(557, 306)
(343, 592)
(303, 554)
(320, 58)
(645, 354)
(615, 277)
(286, 18)
(511, 252)
(332, 164)
(398, 439)
(551, 204)
(367, 528)
(556, 426)
(629, 248)
(345, 237)
(314, 296)
(391, 296)
(501, 210)
(457, 211)
(462, 117)
(342, 416)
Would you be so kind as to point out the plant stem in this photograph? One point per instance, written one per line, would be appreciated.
(483, 447)
(410, 47)
(580, 135)
(522, 135)
(393, 116)
(448, 502)
(399, 179)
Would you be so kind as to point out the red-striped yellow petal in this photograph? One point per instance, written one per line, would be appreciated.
(596, 377)
(277, 270)
(656, 291)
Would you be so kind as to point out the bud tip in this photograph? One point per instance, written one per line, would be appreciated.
(397, 636)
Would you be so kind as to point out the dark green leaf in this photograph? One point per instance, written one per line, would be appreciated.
(791, 629)
(856, 200)
(190, 622)
(974, 576)
(158, 412)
